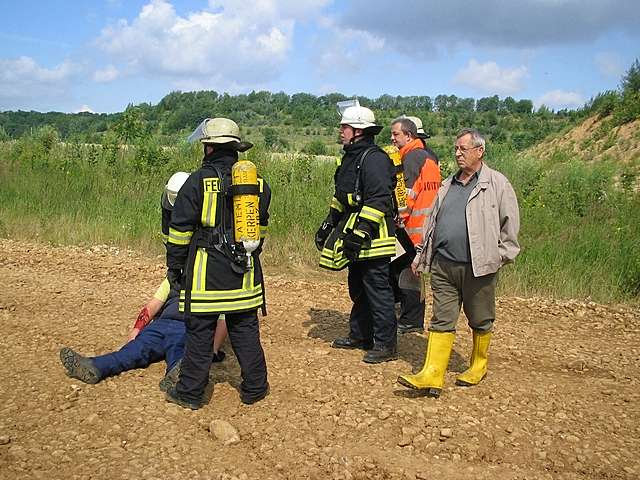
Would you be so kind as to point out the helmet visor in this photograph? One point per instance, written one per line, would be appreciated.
(198, 133)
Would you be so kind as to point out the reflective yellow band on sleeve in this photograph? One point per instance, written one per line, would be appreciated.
(370, 213)
(336, 205)
(177, 237)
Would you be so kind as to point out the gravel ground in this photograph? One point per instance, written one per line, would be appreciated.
(561, 400)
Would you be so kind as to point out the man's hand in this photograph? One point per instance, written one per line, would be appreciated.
(174, 275)
(352, 244)
(416, 259)
(322, 234)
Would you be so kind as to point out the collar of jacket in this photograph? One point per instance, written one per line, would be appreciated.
(221, 158)
(354, 149)
(484, 177)
(414, 144)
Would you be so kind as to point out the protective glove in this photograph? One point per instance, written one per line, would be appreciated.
(353, 242)
(322, 234)
(174, 275)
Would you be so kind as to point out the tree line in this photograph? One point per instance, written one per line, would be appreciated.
(279, 119)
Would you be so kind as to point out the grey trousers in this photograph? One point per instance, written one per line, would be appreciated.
(454, 286)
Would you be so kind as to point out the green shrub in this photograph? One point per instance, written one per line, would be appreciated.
(315, 147)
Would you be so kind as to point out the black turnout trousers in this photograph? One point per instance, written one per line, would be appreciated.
(373, 318)
(244, 335)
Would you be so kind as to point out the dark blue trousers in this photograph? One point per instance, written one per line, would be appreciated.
(161, 339)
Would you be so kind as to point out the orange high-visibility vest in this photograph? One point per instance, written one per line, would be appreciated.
(420, 195)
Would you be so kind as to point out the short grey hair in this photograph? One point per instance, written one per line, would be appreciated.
(476, 137)
(407, 126)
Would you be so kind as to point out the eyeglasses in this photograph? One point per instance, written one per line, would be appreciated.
(464, 150)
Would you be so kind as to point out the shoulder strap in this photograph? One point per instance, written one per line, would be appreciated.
(356, 189)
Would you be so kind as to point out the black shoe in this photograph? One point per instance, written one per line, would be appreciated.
(251, 401)
(402, 328)
(78, 366)
(380, 354)
(349, 343)
(218, 357)
(171, 378)
(172, 396)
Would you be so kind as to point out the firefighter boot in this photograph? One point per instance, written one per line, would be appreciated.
(431, 378)
(479, 357)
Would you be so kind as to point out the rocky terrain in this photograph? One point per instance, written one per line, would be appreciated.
(561, 400)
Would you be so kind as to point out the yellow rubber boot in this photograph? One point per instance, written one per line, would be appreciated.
(431, 377)
(479, 358)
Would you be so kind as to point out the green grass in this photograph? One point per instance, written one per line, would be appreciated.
(580, 231)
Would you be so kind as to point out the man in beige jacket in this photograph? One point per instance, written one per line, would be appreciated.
(472, 232)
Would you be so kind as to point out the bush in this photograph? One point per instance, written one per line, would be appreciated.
(315, 147)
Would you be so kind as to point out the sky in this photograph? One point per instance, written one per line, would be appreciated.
(101, 55)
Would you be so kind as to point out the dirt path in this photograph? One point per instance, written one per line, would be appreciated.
(561, 399)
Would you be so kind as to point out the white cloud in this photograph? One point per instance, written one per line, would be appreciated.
(25, 84)
(609, 64)
(435, 25)
(490, 78)
(346, 50)
(84, 109)
(559, 99)
(106, 75)
(225, 45)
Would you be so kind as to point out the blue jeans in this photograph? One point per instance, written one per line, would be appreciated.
(161, 339)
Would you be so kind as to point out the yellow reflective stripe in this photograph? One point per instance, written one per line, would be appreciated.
(264, 229)
(238, 293)
(383, 231)
(350, 200)
(165, 238)
(200, 270)
(378, 252)
(230, 306)
(179, 238)
(335, 204)
(261, 184)
(210, 187)
(338, 161)
(371, 213)
(247, 280)
(381, 242)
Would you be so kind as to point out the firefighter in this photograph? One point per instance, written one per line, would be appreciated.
(214, 273)
(422, 179)
(359, 233)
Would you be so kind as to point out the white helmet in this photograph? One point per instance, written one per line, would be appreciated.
(358, 117)
(172, 188)
(417, 122)
(219, 130)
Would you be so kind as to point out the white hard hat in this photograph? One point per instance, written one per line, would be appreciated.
(216, 130)
(417, 122)
(172, 188)
(358, 117)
